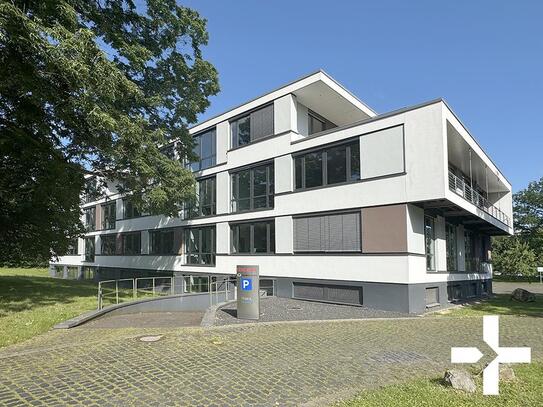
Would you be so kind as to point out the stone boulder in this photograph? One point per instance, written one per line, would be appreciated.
(522, 295)
(507, 374)
(460, 379)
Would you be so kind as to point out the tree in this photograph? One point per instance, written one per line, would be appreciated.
(528, 217)
(512, 257)
(94, 87)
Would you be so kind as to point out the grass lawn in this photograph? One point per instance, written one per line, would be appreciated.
(527, 390)
(499, 304)
(31, 302)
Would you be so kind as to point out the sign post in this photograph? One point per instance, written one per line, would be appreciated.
(248, 287)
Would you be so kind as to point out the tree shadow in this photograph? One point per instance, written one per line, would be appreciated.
(20, 293)
(502, 304)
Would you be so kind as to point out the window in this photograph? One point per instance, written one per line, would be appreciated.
(72, 248)
(257, 237)
(317, 123)
(161, 242)
(131, 243)
(108, 216)
(252, 127)
(89, 249)
(169, 151)
(450, 235)
(205, 200)
(90, 219)
(328, 233)
(333, 165)
(200, 245)
(205, 150)
(92, 191)
(432, 296)
(469, 250)
(130, 210)
(430, 242)
(108, 246)
(253, 188)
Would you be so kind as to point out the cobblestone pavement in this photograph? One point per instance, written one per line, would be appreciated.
(288, 309)
(499, 287)
(282, 364)
(148, 320)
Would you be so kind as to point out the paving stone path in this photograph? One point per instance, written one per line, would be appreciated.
(284, 364)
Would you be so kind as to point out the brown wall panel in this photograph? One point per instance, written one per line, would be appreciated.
(384, 229)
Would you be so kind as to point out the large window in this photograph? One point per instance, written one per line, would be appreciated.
(89, 248)
(253, 188)
(131, 243)
(318, 123)
(450, 235)
(200, 245)
(430, 242)
(72, 248)
(205, 150)
(90, 219)
(252, 127)
(206, 199)
(333, 165)
(472, 261)
(328, 233)
(108, 216)
(130, 210)
(161, 242)
(257, 237)
(108, 244)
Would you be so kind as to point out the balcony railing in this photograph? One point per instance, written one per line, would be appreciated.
(459, 186)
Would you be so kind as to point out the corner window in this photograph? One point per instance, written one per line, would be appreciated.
(205, 199)
(257, 237)
(200, 246)
(130, 210)
(161, 242)
(253, 188)
(205, 149)
(430, 243)
(450, 235)
(131, 243)
(90, 219)
(317, 123)
(108, 244)
(333, 165)
(108, 216)
(249, 128)
(89, 248)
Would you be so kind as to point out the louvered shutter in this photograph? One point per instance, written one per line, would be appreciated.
(262, 123)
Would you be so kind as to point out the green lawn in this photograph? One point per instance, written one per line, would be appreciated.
(527, 390)
(31, 302)
(500, 304)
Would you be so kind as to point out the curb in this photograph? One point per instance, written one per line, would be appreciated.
(208, 319)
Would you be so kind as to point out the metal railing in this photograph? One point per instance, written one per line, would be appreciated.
(130, 289)
(460, 187)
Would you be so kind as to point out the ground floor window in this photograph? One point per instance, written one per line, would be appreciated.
(200, 245)
(450, 235)
(430, 242)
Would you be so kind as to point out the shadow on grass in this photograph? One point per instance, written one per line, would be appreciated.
(20, 293)
(502, 304)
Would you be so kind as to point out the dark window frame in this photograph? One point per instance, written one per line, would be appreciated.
(124, 248)
(90, 224)
(159, 233)
(199, 164)
(113, 214)
(451, 257)
(135, 212)
(323, 152)
(234, 134)
(189, 253)
(433, 262)
(270, 188)
(102, 245)
(270, 237)
(90, 254)
(197, 210)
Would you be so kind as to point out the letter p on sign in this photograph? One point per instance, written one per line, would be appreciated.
(246, 284)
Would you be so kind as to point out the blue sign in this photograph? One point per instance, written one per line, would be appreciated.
(246, 284)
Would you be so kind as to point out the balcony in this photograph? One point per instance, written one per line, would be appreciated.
(460, 187)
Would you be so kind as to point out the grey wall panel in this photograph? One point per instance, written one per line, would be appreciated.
(382, 153)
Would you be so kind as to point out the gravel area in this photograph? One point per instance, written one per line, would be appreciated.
(499, 287)
(287, 309)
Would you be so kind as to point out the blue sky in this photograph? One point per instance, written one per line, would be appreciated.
(485, 58)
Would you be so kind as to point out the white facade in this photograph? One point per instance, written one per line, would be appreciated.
(408, 160)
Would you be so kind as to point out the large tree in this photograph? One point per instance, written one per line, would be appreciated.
(93, 87)
(528, 216)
